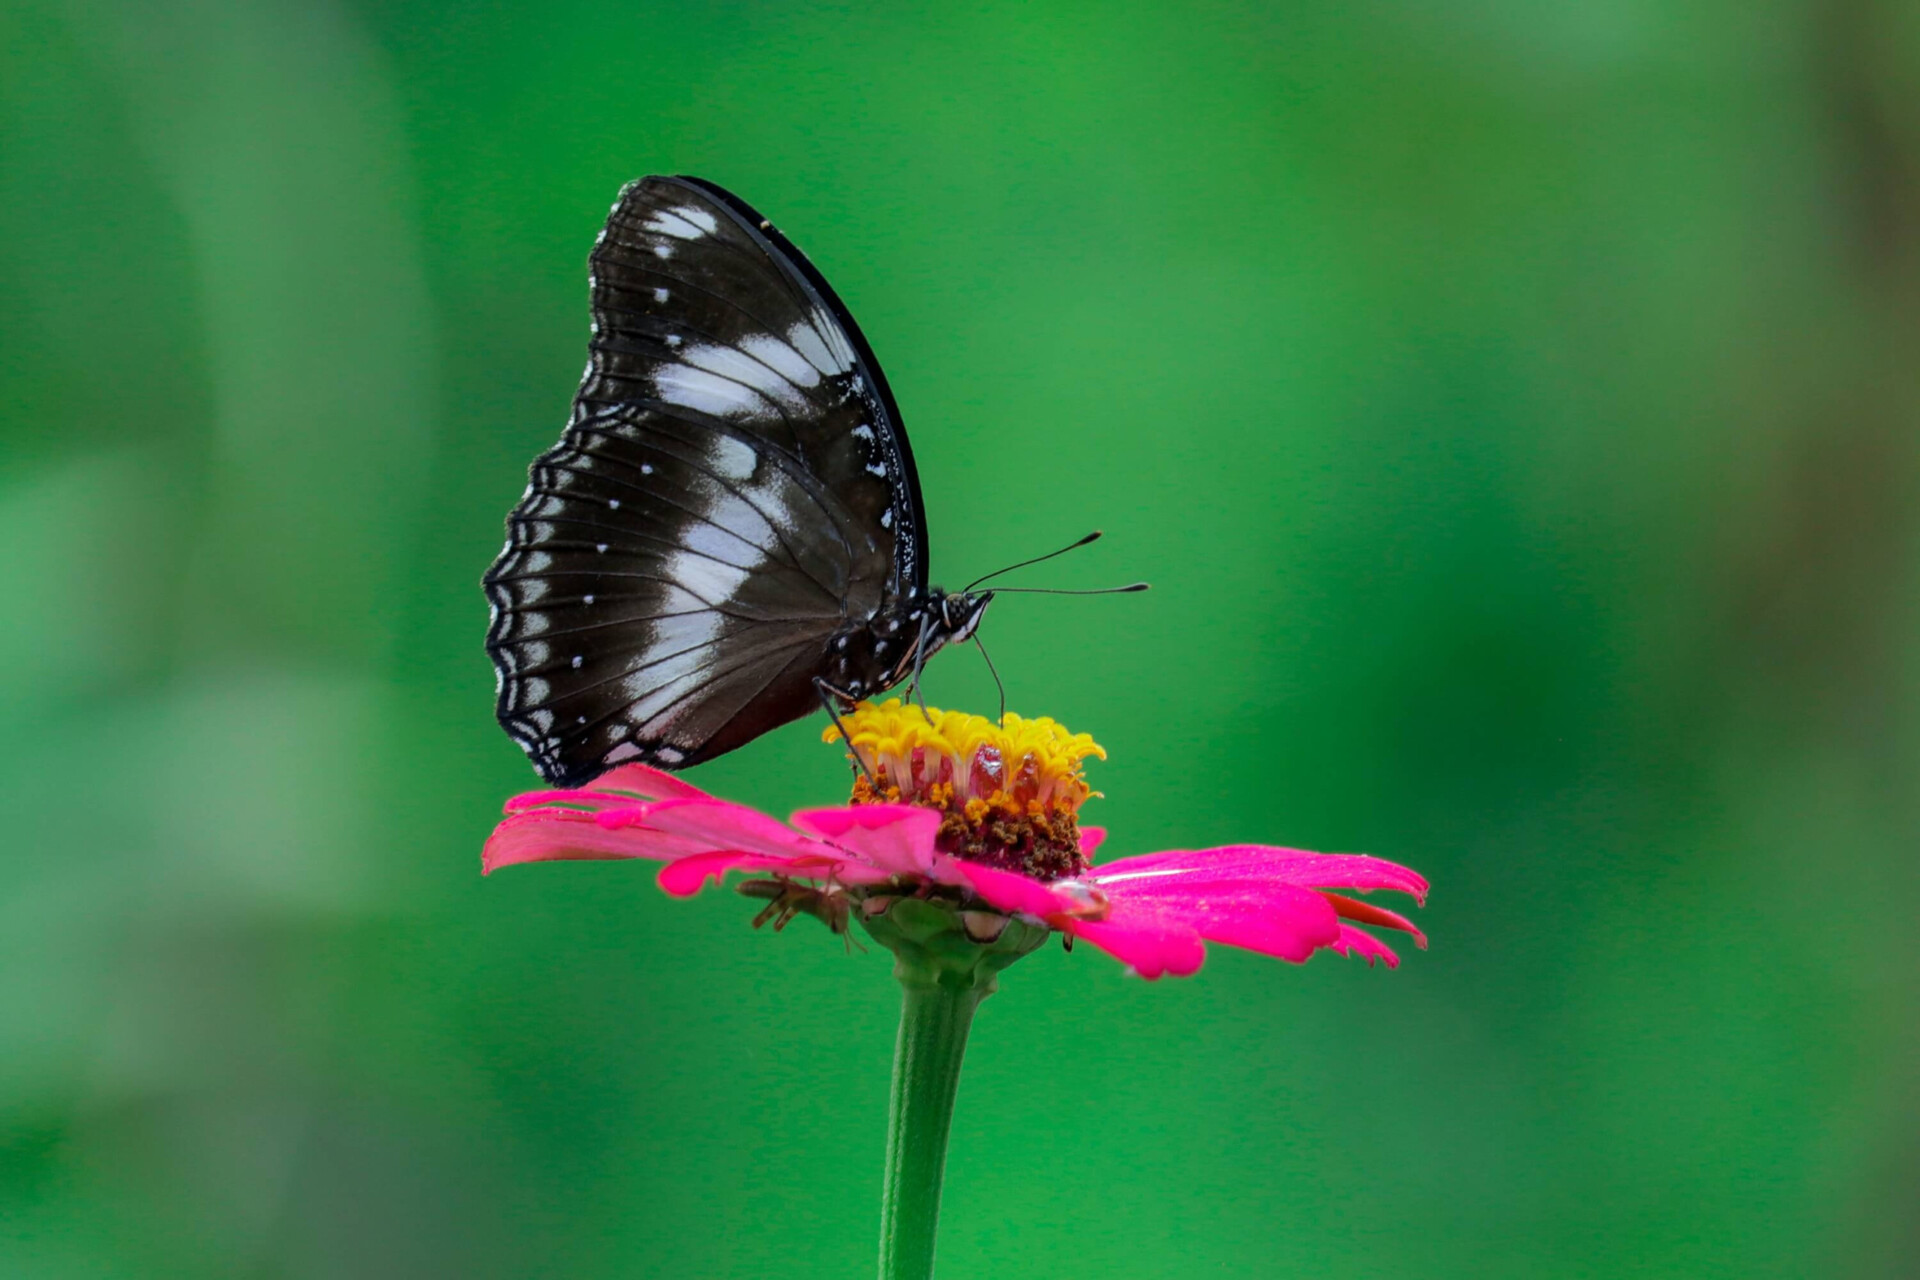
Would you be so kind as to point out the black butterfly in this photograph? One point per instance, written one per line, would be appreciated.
(730, 531)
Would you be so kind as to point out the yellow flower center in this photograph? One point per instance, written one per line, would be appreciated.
(1010, 793)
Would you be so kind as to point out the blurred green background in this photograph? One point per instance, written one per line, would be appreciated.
(1515, 407)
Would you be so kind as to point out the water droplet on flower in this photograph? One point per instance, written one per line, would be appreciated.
(1089, 903)
(987, 771)
(983, 926)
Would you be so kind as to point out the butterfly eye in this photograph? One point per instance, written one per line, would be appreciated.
(972, 609)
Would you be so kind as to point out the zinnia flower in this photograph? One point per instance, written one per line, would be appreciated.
(982, 818)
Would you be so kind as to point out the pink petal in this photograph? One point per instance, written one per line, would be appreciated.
(685, 877)
(1289, 866)
(719, 825)
(1359, 942)
(649, 784)
(1287, 935)
(1147, 946)
(624, 814)
(631, 779)
(1367, 913)
(1091, 838)
(582, 798)
(1011, 891)
(1267, 916)
(549, 835)
(896, 838)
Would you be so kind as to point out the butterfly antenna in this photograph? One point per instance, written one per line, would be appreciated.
(995, 673)
(1058, 591)
(1071, 546)
(827, 693)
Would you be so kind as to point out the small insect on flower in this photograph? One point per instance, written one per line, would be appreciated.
(977, 824)
(788, 898)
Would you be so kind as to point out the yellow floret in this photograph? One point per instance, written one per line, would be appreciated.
(1038, 757)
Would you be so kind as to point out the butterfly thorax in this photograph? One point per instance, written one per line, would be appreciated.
(871, 655)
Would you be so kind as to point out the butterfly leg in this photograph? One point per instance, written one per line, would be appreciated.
(919, 661)
(828, 696)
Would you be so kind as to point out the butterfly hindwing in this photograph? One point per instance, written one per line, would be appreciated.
(644, 598)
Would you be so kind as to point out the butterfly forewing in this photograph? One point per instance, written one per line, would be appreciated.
(700, 305)
(732, 487)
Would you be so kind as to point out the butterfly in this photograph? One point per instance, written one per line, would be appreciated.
(730, 531)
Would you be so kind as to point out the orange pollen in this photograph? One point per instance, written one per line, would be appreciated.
(1009, 793)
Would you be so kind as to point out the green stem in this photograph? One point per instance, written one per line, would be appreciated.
(934, 1017)
(948, 959)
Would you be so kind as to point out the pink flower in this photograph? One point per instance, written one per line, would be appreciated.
(1006, 797)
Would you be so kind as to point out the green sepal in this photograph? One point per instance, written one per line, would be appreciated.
(935, 941)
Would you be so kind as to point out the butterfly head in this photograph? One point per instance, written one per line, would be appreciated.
(960, 613)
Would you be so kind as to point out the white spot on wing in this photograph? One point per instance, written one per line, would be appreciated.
(731, 458)
(738, 516)
(782, 358)
(836, 340)
(659, 295)
(678, 632)
(714, 581)
(718, 544)
(745, 371)
(689, 222)
(814, 348)
(702, 390)
(625, 751)
(652, 688)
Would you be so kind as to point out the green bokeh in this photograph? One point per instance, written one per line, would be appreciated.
(1514, 407)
